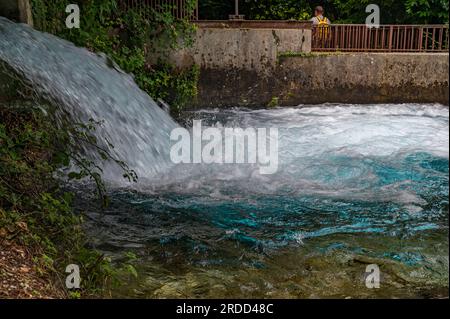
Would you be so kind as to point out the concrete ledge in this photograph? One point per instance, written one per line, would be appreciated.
(254, 24)
(340, 78)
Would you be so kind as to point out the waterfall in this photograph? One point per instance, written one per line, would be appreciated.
(86, 87)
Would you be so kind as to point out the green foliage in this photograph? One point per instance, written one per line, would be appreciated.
(338, 11)
(215, 9)
(277, 10)
(428, 11)
(392, 11)
(34, 210)
(129, 38)
(35, 156)
(274, 102)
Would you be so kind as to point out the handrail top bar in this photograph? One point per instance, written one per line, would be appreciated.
(310, 22)
(395, 25)
(254, 24)
(264, 21)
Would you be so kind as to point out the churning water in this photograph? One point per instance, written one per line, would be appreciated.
(354, 182)
(356, 185)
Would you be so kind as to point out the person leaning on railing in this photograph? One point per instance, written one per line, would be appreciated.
(321, 25)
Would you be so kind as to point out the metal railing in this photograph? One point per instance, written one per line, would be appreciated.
(386, 38)
(178, 8)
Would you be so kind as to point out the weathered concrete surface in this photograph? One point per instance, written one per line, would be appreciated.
(246, 49)
(341, 78)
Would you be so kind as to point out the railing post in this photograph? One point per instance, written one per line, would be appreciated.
(391, 31)
(441, 31)
(433, 38)
(420, 40)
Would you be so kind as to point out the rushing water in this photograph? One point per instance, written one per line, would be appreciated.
(356, 185)
(87, 87)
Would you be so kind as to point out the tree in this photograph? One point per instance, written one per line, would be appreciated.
(338, 11)
(427, 11)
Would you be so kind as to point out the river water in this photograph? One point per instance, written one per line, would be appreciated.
(356, 185)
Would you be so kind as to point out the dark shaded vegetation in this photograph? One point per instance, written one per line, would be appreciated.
(36, 156)
(338, 11)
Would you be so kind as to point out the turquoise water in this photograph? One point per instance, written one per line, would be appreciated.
(354, 182)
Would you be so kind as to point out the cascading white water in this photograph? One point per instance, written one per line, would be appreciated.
(333, 150)
(83, 84)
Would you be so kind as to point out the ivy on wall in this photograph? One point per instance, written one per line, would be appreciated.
(129, 37)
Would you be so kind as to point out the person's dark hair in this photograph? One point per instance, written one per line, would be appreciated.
(319, 9)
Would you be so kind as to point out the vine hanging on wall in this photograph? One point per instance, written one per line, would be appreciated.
(130, 37)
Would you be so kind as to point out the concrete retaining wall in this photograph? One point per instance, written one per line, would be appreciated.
(258, 66)
(246, 49)
(314, 78)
